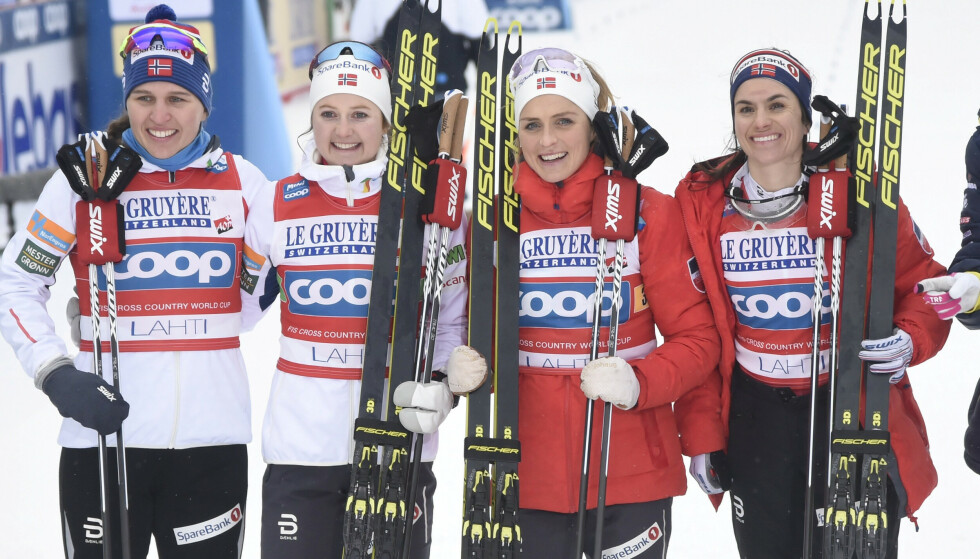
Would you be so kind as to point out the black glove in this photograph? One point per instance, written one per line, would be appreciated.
(971, 442)
(648, 144)
(86, 398)
(123, 164)
(719, 463)
(118, 165)
(422, 124)
(71, 159)
(841, 137)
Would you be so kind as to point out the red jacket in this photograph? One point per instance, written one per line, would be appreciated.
(647, 441)
(702, 201)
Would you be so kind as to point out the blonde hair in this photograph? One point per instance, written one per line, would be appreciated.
(605, 98)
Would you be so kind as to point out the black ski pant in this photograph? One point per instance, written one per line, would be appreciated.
(768, 446)
(192, 502)
(303, 511)
(628, 530)
(971, 441)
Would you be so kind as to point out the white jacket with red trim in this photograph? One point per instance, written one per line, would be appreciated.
(177, 287)
(317, 233)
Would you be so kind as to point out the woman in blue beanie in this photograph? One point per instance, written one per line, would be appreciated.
(182, 388)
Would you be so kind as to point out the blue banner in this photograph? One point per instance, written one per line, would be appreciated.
(41, 95)
(534, 15)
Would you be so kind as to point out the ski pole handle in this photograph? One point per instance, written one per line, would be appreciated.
(459, 129)
(447, 123)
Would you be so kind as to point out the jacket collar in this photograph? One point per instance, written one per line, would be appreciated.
(563, 202)
(351, 183)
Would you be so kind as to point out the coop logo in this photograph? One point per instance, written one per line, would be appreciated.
(219, 166)
(778, 307)
(209, 528)
(336, 293)
(27, 25)
(296, 190)
(567, 305)
(177, 266)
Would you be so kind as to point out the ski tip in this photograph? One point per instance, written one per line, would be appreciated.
(519, 34)
(491, 21)
(428, 7)
(877, 12)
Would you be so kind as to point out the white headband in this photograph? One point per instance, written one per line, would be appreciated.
(347, 74)
(578, 85)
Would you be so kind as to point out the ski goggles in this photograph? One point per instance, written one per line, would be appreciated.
(545, 59)
(553, 71)
(360, 51)
(173, 37)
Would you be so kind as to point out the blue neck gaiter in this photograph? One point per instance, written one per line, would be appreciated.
(179, 160)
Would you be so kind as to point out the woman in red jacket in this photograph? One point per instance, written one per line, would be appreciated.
(745, 214)
(555, 180)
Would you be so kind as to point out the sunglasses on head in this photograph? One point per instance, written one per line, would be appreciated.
(360, 51)
(550, 58)
(173, 38)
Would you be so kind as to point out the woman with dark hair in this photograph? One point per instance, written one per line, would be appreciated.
(745, 214)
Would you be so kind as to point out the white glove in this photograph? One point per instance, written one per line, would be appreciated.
(890, 355)
(951, 295)
(710, 476)
(466, 370)
(611, 379)
(74, 315)
(424, 405)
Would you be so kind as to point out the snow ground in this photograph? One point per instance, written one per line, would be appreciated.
(669, 59)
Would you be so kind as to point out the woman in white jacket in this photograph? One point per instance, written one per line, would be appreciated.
(182, 386)
(311, 244)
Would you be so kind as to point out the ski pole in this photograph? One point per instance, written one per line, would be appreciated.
(600, 274)
(447, 182)
(626, 134)
(105, 239)
(827, 217)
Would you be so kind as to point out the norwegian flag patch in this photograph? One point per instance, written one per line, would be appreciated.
(546, 83)
(159, 67)
(696, 279)
(347, 79)
(763, 70)
(923, 242)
